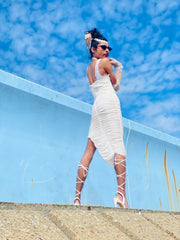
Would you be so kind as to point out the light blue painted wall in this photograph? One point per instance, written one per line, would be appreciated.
(43, 135)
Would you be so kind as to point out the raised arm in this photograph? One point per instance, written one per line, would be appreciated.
(115, 78)
(118, 66)
(108, 69)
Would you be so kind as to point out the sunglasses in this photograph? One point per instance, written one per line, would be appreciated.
(104, 47)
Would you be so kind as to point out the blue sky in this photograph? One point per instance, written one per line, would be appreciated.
(43, 41)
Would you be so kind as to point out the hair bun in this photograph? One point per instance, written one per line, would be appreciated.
(92, 35)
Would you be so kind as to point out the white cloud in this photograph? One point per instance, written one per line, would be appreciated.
(159, 114)
(169, 124)
(161, 7)
(169, 56)
(145, 34)
(163, 42)
(167, 106)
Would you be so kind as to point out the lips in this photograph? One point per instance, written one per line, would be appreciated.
(106, 55)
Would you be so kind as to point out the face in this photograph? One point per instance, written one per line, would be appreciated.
(102, 50)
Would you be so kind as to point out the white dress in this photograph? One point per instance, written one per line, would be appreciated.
(106, 129)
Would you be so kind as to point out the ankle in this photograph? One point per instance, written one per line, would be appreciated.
(121, 193)
(78, 196)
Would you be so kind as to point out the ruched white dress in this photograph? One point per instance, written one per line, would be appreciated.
(106, 129)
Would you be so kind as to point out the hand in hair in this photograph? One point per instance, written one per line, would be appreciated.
(88, 39)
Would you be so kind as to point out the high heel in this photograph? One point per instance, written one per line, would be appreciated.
(75, 201)
(122, 162)
(121, 203)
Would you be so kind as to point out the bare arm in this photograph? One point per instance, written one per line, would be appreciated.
(108, 69)
(118, 66)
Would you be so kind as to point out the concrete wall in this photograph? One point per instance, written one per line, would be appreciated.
(66, 222)
(43, 135)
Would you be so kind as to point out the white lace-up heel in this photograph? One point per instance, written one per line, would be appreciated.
(77, 200)
(121, 203)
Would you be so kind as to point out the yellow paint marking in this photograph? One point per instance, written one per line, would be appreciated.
(176, 189)
(160, 204)
(167, 181)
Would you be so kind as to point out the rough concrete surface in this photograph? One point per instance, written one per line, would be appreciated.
(61, 222)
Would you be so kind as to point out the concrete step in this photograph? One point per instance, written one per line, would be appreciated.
(60, 222)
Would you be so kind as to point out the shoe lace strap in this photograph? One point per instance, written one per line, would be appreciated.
(85, 172)
(80, 180)
(122, 196)
(121, 186)
(122, 175)
(121, 161)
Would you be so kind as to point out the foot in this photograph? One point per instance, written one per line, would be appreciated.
(77, 202)
(121, 200)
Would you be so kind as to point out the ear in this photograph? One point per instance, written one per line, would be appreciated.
(93, 49)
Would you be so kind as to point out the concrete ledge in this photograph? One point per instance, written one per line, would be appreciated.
(61, 222)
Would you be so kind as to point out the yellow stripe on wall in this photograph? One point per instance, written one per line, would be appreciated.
(167, 181)
(176, 189)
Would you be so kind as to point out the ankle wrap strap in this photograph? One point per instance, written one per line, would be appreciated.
(122, 162)
(121, 194)
(122, 186)
(84, 168)
(85, 172)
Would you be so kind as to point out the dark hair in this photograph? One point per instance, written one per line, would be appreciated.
(95, 34)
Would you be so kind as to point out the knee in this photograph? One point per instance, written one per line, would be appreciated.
(119, 159)
(119, 156)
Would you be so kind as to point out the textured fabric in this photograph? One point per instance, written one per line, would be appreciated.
(97, 74)
(106, 129)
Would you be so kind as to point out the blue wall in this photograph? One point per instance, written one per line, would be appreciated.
(43, 135)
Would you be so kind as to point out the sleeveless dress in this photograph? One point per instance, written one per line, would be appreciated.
(106, 128)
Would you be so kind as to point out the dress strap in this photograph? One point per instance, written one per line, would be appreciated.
(97, 74)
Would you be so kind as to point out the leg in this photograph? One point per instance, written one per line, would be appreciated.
(83, 170)
(120, 168)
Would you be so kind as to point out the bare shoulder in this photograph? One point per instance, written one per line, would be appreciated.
(106, 65)
(105, 61)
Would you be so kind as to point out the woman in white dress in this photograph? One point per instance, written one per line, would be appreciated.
(106, 129)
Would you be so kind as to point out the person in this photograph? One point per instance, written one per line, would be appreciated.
(106, 128)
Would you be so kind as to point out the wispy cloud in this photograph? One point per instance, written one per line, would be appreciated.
(163, 114)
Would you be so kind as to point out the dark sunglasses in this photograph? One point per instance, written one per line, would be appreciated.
(104, 47)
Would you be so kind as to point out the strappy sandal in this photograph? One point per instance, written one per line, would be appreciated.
(79, 180)
(121, 203)
(77, 203)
